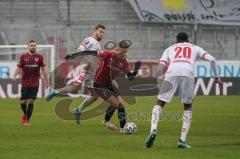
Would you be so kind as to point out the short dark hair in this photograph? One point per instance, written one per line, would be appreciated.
(182, 37)
(99, 26)
(31, 41)
(124, 44)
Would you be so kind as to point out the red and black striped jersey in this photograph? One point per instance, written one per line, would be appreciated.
(109, 67)
(30, 65)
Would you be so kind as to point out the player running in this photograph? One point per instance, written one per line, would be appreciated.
(88, 65)
(30, 64)
(180, 59)
(113, 64)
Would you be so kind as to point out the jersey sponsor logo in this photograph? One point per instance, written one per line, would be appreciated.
(114, 68)
(31, 66)
(185, 61)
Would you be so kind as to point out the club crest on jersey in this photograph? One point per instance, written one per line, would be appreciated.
(36, 59)
(85, 42)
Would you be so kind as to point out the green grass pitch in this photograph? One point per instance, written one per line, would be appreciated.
(214, 133)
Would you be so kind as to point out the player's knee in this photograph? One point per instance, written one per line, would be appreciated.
(23, 101)
(115, 103)
(75, 87)
(187, 106)
(161, 103)
(30, 101)
(120, 105)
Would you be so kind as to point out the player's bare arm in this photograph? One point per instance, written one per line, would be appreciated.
(160, 70)
(45, 75)
(16, 72)
(212, 61)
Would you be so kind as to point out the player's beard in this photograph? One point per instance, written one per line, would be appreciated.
(120, 56)
(33, 51)
(99, 38)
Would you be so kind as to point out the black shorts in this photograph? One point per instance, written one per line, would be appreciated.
(105, 91)
(29, 93)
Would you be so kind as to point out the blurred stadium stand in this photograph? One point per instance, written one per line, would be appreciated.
(47, 21)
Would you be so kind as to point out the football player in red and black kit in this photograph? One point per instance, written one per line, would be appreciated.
(114, 63)
(29, 65)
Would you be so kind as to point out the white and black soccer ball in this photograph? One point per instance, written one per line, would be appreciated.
(130, 128)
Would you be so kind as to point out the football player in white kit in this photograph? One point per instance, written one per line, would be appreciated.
(88, 66)
(179, 58)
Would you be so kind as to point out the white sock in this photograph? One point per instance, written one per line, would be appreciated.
(187, 118)
(87, 101)
(157, 109)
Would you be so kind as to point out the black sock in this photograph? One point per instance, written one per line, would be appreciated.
(121, 115)
(24, 108)
(29, 111)
(109, 113)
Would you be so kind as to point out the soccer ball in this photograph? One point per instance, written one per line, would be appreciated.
(130, 128)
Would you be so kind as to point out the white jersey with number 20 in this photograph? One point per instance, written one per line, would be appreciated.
(180, 59)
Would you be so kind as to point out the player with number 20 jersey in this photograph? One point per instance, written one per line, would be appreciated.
(180, 59)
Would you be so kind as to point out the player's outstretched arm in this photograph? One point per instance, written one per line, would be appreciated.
(81, 53)
(131, 75)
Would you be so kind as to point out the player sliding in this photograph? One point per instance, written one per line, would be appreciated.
(113, 64)
(29, 64)
(180, 60)
(88, 65)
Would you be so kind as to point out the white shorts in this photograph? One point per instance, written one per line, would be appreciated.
(88, 67)
(185, 86)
